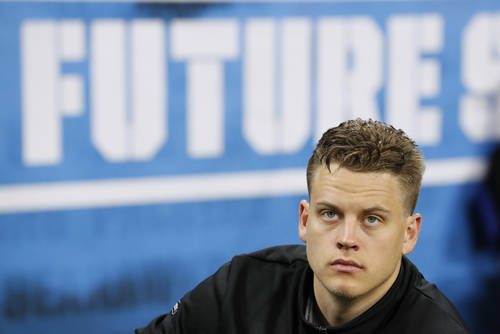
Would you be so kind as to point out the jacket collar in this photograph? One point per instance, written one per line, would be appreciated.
(371, 321)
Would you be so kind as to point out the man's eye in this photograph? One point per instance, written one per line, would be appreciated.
(329, 214)
(372, 220)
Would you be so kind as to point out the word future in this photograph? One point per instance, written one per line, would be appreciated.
(336, 65)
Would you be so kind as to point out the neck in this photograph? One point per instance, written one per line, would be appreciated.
(338, 309)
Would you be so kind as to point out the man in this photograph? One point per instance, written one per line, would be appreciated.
(352, 276)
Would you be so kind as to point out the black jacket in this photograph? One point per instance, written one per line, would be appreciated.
(266, 292)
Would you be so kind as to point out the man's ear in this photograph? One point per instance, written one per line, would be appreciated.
(412, 230)
(303, 217)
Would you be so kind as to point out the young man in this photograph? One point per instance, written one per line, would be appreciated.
(352, 276)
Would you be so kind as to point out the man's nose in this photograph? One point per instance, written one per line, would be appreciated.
(347, 237)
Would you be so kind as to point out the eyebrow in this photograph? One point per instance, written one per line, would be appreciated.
(371, 209)
(376, 209)
(327, 204)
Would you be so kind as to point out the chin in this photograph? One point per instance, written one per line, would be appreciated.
(344, 292)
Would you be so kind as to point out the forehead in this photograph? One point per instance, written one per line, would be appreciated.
(341, 184)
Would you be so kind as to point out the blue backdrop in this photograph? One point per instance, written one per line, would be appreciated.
(142, 145)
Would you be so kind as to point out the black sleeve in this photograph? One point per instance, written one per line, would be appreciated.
(198, 312)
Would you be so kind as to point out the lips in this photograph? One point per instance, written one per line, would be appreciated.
(346, 266)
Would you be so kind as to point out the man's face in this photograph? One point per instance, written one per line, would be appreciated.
(356, 229)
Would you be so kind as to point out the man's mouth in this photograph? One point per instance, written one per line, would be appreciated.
(346, 266)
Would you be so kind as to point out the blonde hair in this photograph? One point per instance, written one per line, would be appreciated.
(371, 146)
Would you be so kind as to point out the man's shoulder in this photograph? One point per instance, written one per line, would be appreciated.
(430, 308)
(284, 254)
(283, 260)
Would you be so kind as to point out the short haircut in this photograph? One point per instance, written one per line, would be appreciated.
(371, 146)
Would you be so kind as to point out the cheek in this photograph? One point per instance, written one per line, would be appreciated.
(319, 236)
(390, 243)
(317, 244)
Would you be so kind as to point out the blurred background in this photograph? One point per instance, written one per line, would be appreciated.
(143, 144)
